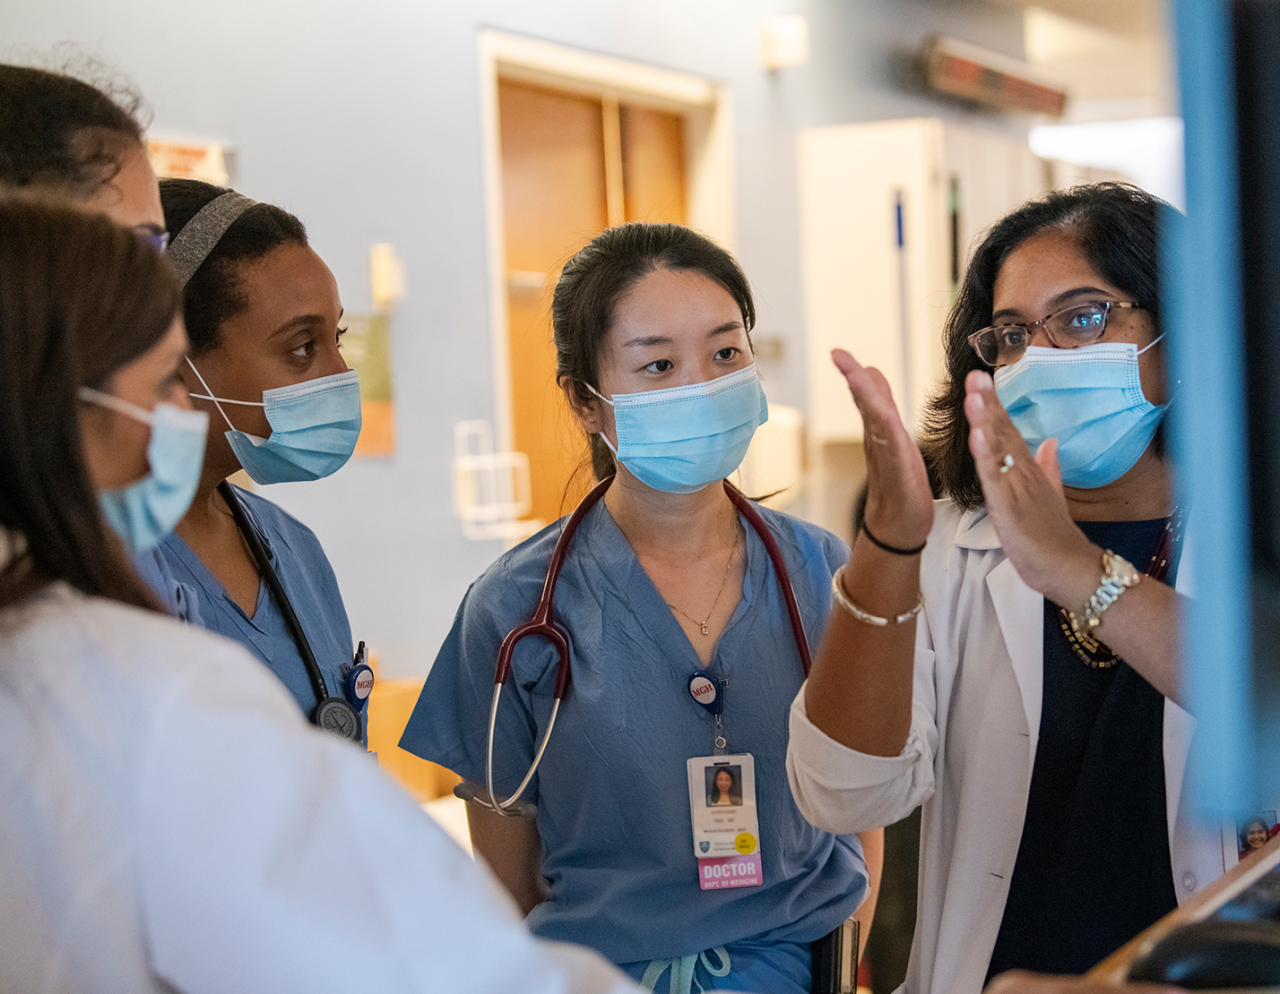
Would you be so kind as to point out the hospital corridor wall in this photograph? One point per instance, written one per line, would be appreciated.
(365, 120)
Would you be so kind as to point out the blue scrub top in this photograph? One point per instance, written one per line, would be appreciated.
(612, 792)
(307, 578)
(179, 599)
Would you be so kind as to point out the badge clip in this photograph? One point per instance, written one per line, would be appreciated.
(707, 692)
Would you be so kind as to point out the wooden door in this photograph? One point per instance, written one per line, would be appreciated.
(572, 165)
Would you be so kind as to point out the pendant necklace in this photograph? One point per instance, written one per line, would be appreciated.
(727, 565)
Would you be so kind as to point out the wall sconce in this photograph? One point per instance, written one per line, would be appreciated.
(784, 41)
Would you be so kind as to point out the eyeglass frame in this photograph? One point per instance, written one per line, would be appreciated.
(158, 240)
(1028, 326)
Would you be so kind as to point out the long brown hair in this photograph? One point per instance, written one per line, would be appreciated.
(80, 297)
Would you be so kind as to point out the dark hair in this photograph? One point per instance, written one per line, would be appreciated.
(1244, 830)
(213, 295)
(734, 791)
(1115, 225)
(80, 297)
(61, 133)
(599, 276)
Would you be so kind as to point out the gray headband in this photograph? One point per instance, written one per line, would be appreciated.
(202, 233)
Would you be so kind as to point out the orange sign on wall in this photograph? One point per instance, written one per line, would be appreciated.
(188, 160)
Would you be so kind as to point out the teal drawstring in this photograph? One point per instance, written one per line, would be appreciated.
(682, 971)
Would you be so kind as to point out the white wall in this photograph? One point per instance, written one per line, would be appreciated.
(362, 117)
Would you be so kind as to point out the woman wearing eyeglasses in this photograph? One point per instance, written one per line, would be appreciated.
(1007, 656)
(68, 139)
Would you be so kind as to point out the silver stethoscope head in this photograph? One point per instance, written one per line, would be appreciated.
(475, 795)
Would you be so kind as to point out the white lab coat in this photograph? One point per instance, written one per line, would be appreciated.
(169, 822)
(968, 759)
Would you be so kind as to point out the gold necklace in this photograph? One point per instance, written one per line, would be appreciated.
(727, 565)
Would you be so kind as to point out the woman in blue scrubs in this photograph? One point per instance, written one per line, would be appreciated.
(663, 582)
(262, 312)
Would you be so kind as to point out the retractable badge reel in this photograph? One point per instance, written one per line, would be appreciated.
(708, 693)
(357, 680)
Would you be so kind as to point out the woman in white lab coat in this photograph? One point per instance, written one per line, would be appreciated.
(1032, 704)
(170, 821)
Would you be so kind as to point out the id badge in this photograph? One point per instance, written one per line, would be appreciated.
(726, 829)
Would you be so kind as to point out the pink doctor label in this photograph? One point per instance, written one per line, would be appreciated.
(730, 871)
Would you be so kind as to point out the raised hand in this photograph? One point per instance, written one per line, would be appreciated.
(1024, 496)
(899, 501)
(859, 690)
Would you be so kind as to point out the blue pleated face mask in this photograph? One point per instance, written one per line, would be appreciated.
(314, 428)
(1090, 399)
(682, 439)
(145, 512)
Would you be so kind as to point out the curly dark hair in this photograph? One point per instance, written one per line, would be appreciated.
(1116, 225)
(213, 294)
(62, 133)
(603, 272)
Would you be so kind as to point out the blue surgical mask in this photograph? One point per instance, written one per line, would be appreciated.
(314, 428)
(145, 512)
(1090, 399)
(682, 439)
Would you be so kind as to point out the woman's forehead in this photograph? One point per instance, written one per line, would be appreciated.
(1043, 269)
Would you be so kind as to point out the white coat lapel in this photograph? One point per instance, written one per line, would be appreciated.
(1020, 613)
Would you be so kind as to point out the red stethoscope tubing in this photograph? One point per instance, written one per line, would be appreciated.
(541, 624)
(779, 568)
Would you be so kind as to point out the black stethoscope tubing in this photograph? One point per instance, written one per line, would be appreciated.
(541, 624)
(330, 713)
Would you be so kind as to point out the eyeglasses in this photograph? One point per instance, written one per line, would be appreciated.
(158, 240)
(1068, 328)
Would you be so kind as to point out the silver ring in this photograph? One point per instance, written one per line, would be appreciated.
(1006, 464)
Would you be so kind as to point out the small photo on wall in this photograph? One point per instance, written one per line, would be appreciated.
(1255, 831)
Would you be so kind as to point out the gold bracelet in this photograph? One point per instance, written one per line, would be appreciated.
(1118, 575)
(866, 617)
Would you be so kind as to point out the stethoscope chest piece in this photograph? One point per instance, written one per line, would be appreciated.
(707, 692)
(337, 716)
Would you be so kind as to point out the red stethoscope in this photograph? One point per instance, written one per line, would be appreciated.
(542, 625)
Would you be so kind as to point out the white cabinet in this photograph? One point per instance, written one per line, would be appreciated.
(866, 290)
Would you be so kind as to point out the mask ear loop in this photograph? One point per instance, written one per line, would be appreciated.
(117, 404)
(218, 401)
(1145, 347)
(1174, 392)
(603, 437)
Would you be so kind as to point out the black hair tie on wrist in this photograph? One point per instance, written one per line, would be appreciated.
(893, 548)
